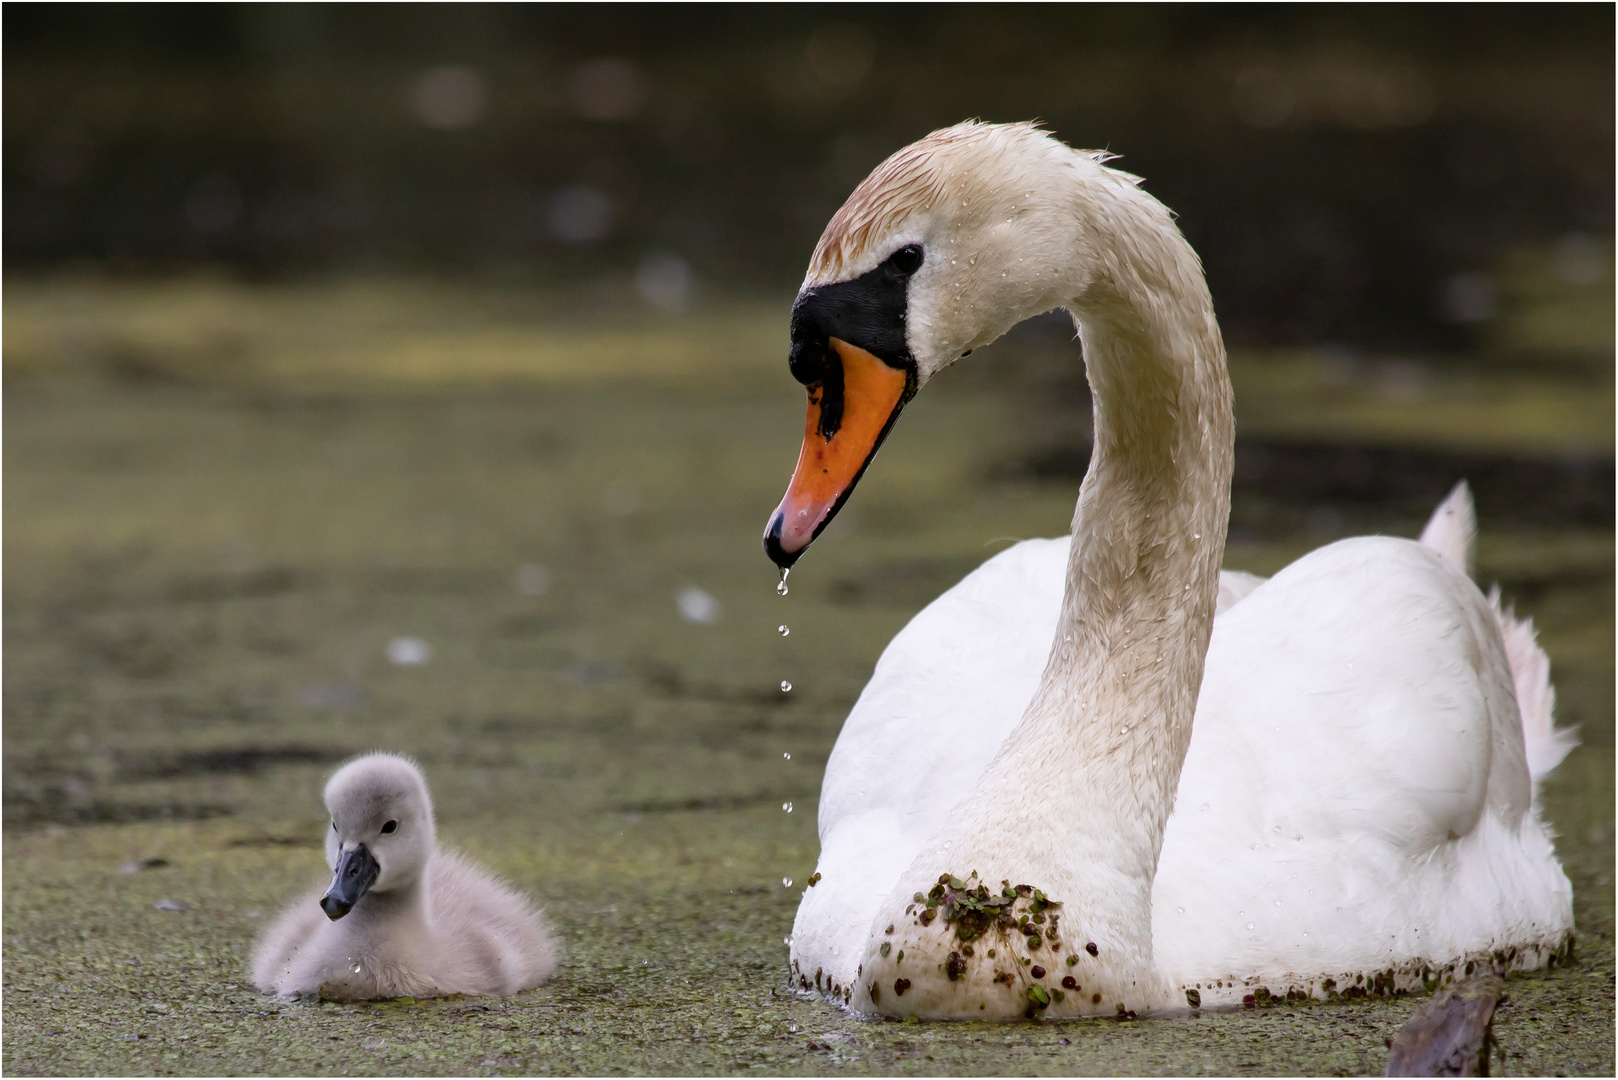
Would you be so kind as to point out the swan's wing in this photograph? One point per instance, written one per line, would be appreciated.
(1356, 775)
(946, 692)
(1234, 587)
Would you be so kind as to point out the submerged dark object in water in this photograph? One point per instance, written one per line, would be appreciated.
(1451, 1034)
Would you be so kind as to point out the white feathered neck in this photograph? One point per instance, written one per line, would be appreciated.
(1087, 779)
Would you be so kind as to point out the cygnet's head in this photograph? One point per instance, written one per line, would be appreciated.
(382, 831)
(943, 248)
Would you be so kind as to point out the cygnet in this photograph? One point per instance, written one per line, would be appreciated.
(401, 918)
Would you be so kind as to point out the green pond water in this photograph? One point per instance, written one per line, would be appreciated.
(210, 544)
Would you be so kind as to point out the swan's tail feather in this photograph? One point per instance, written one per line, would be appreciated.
(1452, 531)
(1545, 743)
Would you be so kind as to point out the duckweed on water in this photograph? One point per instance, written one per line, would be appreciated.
(155, 673)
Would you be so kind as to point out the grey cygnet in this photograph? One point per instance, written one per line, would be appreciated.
(401, 917)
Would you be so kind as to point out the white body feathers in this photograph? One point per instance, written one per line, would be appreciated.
(1356, 801)
(1356, 808)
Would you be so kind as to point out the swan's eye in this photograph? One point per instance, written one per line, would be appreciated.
(334, 826)
(908, 259)
(390, 826)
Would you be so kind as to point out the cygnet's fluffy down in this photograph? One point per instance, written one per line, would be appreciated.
(401, 918)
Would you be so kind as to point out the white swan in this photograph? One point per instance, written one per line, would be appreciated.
(402, 917)
(1356, 809)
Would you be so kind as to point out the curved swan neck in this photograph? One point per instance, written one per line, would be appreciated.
(1087, 779)
(1148, 531)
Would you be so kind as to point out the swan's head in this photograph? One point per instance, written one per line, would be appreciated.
(944, 247)
(382, 831)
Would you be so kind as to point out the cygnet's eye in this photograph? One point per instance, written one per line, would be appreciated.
(908, 259)
(390, 826)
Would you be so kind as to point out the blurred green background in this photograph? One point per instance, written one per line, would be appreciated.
(1349, 173)
(414, 377)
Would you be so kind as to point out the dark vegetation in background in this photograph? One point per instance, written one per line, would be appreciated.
(1281, 485)
(1348, 173)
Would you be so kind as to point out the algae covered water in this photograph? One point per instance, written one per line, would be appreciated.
(225, 574)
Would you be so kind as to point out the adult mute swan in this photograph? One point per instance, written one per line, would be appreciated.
(402, 917)
(1020, 815)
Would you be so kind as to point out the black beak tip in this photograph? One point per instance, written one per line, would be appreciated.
(772, 543)
(334, 908)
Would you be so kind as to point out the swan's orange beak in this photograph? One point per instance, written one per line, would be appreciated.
(850, 413)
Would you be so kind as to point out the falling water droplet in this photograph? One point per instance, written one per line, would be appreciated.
(781, 588)
(1278, 903)
(782, 630)
(787, 756)
(787, 942)
(787, 807)
(1181, 910)
(786, 687)
(1196, 536)
(356, 969)
(786, 883)
(1250, 926)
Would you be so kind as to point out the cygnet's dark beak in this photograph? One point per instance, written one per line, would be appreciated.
(356, 872)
